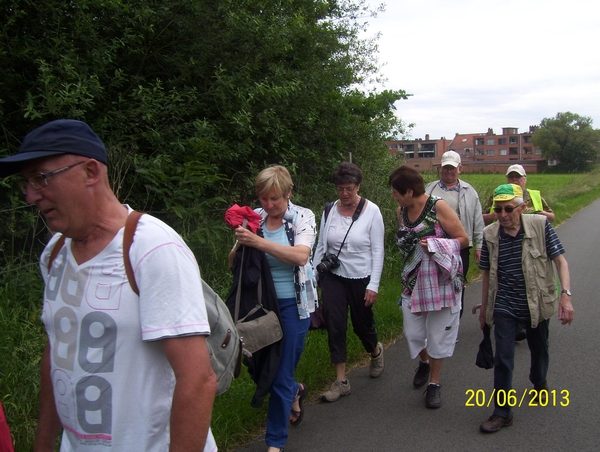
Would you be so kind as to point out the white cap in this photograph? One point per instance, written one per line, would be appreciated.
(450, 158)
(516, 169)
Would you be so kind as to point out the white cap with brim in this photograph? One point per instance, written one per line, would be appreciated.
(450, 158)
(516, 169)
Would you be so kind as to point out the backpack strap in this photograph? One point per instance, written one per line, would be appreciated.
(130, 227)
(55, 251)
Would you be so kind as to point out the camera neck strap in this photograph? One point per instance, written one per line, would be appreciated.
(355, 216)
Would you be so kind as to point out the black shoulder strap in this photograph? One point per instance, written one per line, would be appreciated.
(328, 207)
(359, 208)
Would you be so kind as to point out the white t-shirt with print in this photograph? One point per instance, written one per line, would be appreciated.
(113, 385)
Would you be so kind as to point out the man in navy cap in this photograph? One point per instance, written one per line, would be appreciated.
(119, 371)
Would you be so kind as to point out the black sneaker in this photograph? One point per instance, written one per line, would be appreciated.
(521, 333)
(421, 375)
(433, 399)
(540, 395)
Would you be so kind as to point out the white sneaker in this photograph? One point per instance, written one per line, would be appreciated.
(337, 389)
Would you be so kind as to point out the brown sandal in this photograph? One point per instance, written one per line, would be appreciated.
(296, 416)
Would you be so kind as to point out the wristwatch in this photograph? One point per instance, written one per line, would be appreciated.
(567, 291)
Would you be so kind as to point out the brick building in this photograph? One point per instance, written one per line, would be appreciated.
(485, 152)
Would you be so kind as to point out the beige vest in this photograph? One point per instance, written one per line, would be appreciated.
(540, 284)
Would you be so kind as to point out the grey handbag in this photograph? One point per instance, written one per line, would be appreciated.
(261, 331)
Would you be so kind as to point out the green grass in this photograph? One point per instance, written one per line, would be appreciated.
(234, 421)
(22, 341)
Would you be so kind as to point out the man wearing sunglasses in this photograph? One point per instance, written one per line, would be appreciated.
(519, 290)
(533, 202)
(120, 371)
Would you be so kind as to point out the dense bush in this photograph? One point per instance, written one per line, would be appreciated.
(192, 99)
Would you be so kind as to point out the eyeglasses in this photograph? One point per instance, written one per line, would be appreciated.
(345, 189)
(507, 209)
(39, 181)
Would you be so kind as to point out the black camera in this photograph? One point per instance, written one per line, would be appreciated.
(329, 262)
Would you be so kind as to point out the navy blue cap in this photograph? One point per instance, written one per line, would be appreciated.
(63, 136)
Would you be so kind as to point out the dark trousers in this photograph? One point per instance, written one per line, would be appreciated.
(339, 294)
(505, 329)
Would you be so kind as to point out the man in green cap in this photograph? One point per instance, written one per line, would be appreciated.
(533, 201)
(519, 289)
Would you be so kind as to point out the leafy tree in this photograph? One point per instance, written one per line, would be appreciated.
(570, 139)
(193, 97)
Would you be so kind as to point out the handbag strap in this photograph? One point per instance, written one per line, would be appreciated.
(355, 216)
(238, 295)
(254, 310)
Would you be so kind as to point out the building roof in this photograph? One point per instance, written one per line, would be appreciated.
(463, 142)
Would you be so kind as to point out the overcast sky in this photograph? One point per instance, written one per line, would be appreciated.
(474, 64)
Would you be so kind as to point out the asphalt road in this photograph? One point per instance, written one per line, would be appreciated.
(387, 413)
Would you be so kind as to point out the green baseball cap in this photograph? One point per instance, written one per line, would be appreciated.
(506, 192)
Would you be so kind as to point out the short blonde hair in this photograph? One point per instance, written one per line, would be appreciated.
(274, 177)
